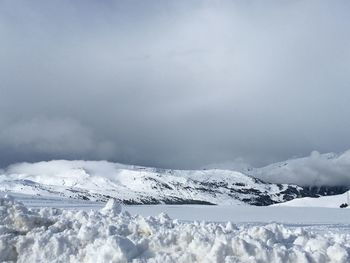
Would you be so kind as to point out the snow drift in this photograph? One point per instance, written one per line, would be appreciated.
(333, 201)
(113, 235)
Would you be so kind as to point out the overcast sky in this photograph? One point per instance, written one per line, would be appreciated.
(177, 84)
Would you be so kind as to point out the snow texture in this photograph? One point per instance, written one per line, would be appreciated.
(113, 235)
(333, 201)
(101, 180)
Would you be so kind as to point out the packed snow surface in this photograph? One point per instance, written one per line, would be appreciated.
(322, 217)
(333, 201)
(113, 235)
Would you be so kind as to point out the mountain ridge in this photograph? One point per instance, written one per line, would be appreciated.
(101, 180)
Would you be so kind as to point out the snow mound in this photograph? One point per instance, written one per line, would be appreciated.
(113, 207)
(333, 201)
(53, 235)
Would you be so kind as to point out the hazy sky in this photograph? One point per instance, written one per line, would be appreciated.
(177, 84)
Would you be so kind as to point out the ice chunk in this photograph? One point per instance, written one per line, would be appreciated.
(112, 207)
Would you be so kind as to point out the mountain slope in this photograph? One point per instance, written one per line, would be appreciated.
(100, 180)
(318, 170)
(319, 174)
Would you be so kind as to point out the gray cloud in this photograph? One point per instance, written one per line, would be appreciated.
(53, 137)
(173, 83)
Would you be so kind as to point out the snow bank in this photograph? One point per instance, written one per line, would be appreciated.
(332, 201)
(113, 235)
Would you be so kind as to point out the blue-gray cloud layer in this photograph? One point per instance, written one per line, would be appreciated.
(173, 83)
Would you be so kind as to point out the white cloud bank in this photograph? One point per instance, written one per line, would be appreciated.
(315, 170)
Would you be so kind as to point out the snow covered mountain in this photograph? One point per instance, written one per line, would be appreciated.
(316, 170)
(101, 180)
(320, 174)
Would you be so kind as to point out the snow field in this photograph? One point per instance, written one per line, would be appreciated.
(332, 201)
(113, 235)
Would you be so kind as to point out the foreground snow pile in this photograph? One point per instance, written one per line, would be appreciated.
(52, 235)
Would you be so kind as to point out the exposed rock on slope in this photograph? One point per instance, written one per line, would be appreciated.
(100, 180)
